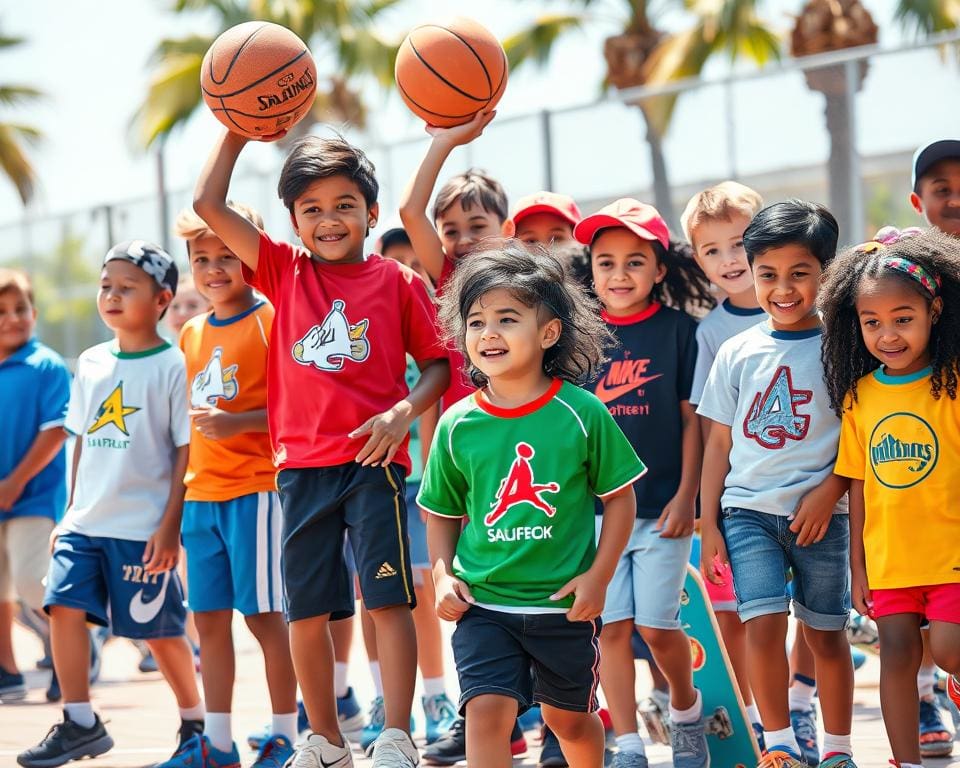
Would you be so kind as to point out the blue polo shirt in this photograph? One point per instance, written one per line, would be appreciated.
(34, 391)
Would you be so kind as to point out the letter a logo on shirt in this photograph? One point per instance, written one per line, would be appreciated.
(773, 418)
(113, 411)
(327, 345)
(518, 487)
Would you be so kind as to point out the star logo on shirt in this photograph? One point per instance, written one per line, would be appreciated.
(113, 411)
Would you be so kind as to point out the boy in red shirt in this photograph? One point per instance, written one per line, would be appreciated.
(339, 414)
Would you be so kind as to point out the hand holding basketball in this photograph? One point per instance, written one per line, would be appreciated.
(463, 134)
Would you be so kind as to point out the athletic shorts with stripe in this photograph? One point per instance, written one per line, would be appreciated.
(233, 554)
(319, 504)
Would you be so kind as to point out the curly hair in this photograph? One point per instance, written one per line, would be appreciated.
(845, 355)
(685, 286)
(536, 279)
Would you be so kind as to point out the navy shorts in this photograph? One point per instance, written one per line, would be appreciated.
(496, 651)
(319, 504)
(105, 578)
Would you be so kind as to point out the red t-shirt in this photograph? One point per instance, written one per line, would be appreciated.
(338, 349)
(460, 384)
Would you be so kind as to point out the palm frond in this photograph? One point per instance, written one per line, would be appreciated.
(360, 50)
(926, 17)
(536, 42)
(11, 95)
(172, 96)
(14, 161)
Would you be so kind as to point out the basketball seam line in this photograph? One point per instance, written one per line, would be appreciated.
(256, 82)
(431, 112)
(447, 82)
(236, 56)
(472, 50)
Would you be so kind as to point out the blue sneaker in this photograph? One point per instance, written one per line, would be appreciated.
(12, 687)
(689, 744)
(349, 714)
(531, 719)
(376, 718)
(303, 722)
(805, 729)
(439, 714)
(858, 657)
(758, 732)
(198, 752)
(629, 760)
(274, 753)
(838, 760)
(935, 739)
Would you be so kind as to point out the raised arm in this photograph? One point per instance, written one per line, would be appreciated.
(210, 201)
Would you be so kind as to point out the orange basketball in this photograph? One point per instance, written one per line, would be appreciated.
(446, 74)
(258, 79)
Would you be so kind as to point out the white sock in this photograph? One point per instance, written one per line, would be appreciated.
(286, 725)
(753, 713)
(801, 696)
(833, 743)
(433, 686)
(81, 712)
(377, 679)
(782, 738)
(925, 680)
(340, 686)
(688, 715)
(631, 742)
(218, 727)
(192, 713)
(910, 765)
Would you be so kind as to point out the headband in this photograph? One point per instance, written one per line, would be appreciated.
(889, 236)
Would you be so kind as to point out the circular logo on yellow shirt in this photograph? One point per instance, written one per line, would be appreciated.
(903, 450)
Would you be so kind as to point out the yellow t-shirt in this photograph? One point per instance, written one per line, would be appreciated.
(905, 446)
(227, 368)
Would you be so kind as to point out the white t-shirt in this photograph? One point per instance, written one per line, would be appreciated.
(768, 387)
(722, 322)
(129, 411)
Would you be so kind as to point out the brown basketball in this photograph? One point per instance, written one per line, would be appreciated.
(446, 74)
(258, 79)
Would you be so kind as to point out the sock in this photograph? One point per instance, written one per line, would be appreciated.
(782, 738)
(753, 713)
(801, 693)
(925, 679)
(217, 727)
(631, 742)
(377, 680)
(833, 743)
(433, 686)
(340, 686)
(192, 713)
(81, 712)
(286, 725)
(688, 715)
(910, 765)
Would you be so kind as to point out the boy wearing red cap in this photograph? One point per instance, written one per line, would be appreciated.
(544, 217)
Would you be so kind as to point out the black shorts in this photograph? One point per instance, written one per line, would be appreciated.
(495, 653)
(319, 504)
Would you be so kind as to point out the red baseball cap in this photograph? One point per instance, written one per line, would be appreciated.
(641, 219)
(547, 202)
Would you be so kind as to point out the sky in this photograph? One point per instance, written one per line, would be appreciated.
(91, 58)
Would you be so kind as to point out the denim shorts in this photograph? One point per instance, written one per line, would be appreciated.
(762, 548)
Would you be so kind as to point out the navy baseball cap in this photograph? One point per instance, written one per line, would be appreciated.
(931, 154)
(151, 258)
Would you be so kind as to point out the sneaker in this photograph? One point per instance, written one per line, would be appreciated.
(148, 663)
(274, 753)
(12, 687)
(439, 714)
(862, 630)
(188, 729)
(53, 690)
(780, 757)
(316, 751)
(45, 661)
(96, 651)
(689, 744)
(449, 749)
(394, 749)
(67, 741)
(518, 742)
(805, 729)
(349, 715)
(629, 760)
(376, 718)
(551, 756)
(257, 739)
(531, 719)
(758, 732)
(198, 752)
(838, 760)
(858, 657)
(935, 739)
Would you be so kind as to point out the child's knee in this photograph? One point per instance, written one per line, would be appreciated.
(491, 714)
(568, 725)
(616, 632)
(266, 625)
(827, 643)
(660, 638)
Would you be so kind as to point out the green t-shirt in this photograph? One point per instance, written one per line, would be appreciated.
(526, 479)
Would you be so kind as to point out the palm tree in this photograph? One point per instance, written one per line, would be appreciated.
(13, 156)
(641, 54)
(338, 31)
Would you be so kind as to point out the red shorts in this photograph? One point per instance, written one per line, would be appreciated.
(940, 602)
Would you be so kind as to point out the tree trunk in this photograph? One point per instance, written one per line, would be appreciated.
(661, 180)
(842, 163)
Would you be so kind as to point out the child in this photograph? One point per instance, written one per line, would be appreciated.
(116, 549)
(936, 185)
(646, 388)
(521, 460)
(890, 351)
(772, 446)
(33, 488)
(339, 416)
(231, 515)
(187, 303)
(546, 218)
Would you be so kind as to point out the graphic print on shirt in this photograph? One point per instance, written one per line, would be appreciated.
(520, 487)
(773, 417)
(328, 345)
(113, 411)
(214, 382)
(903, 450)
(626, 377)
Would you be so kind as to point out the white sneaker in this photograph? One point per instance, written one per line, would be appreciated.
(394, 749)
(316, 752)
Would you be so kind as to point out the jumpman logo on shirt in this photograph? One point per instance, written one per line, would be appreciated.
(518, 487)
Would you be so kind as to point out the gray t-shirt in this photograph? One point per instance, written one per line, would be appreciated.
(768, 387)
(723, 322)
